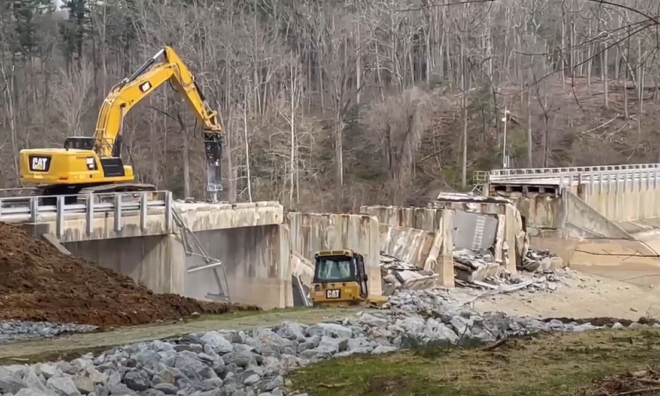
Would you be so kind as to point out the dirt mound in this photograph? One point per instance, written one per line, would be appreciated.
(645, 382)
(39, 283)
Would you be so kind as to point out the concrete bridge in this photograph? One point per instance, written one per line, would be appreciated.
(239, 251)
(563, 207)
(254, 252)
(212, 251)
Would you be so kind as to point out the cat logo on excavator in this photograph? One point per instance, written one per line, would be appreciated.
(340, 280)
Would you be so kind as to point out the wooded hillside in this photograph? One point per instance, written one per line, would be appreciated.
(334, 104)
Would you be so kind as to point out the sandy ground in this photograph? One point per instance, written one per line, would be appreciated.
(578, 296)
(606, 279)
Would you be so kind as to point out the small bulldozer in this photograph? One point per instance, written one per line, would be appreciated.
(340, 280)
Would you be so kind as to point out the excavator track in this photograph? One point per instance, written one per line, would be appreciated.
(129, 191)
(100, 193)
(118, 188)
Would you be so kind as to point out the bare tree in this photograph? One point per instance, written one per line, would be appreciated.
(73, 88)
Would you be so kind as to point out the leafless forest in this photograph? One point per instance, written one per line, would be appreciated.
(335, 104)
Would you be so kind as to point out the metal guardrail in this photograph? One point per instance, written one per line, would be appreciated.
(35, 209)
(565, 175)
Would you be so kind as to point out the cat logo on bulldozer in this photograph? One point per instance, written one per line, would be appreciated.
(333, 293)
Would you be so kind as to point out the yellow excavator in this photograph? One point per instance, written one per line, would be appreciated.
(340, 280)
(94, 165)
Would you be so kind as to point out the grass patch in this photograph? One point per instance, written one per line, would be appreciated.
(243, 314)
(534, 366)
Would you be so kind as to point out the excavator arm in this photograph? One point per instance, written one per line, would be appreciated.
(131, 90)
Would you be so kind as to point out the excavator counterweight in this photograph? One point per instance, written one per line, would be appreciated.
(94, 164)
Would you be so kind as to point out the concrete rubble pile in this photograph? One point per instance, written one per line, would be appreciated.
(397, 274)
(471, 266)
(535, 260)
(254, 362)
(480, 270)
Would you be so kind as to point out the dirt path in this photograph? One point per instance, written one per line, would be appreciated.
(35, 350)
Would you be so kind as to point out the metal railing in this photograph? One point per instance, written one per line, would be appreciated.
(35, 209)
(596, 174)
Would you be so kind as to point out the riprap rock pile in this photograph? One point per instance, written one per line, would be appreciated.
(15, 330)
(242, 363)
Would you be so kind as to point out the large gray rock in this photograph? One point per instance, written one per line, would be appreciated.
(330, 329)
(62, 386)
(192, 367)
(10, 382)
(137, 380)
(216, 341)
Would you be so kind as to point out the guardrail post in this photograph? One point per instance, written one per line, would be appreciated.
(34, 209)
(168, 211)
(143, 210)
(616, 182)
(118, 222)
(60, 215)
(89, 214)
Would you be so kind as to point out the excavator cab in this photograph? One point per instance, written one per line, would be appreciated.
(79, 143)
(340, 279)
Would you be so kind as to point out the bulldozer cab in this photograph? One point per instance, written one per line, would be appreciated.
(340, 267)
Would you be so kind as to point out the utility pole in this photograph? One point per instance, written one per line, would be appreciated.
(505, 158)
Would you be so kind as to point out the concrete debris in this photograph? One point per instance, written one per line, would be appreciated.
(479, 270)
(540, 261)
(397, 274)
(471, 266)
(254, 362)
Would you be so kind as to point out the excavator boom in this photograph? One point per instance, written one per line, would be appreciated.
(96, 162)
(131, 90)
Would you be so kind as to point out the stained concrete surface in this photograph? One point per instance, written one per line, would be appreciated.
(150, 260)
(256, 262)
(311, 232)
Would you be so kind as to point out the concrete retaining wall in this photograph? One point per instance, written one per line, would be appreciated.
(585, 220)
(256, 262)
(396, 216)
(156, 262)
(621, 200)
(427, 250)
(313, 232)
(462, 227)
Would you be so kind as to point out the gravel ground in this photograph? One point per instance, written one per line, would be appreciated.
(15, 330)
(253, 362)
